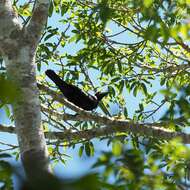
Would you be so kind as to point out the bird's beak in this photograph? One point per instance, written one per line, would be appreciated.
(100, 95)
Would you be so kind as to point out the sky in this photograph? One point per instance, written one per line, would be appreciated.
(76, 166)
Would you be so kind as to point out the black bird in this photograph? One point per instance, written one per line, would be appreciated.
(75, 94)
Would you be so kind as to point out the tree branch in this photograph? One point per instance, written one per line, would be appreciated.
(145, 130)
(38, 19)
(112, 125)
(183, 45)
(112, 128)
(9, 24)
(64, 116)
(7, 129)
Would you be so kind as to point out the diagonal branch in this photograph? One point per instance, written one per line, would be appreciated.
(9, 24)
(183, 45)
(112, 125)
(38, 19)
(64, 116)
(145, 130)
(7, 129)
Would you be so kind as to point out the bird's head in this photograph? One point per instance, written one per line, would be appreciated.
(100, 95)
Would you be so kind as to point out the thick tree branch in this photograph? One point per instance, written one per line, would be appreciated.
(9, 25)
(7, 17)
(112, 125)
(38, 19)
(145, 130)
(18, 47)
(7, 129)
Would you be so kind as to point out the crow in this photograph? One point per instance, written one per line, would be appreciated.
(75, 94)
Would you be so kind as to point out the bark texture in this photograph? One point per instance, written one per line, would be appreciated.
(18, 46)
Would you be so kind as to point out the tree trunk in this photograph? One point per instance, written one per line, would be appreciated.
(18, 47)
(26, 111)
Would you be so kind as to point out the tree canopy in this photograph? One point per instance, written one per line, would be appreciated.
(139, 52)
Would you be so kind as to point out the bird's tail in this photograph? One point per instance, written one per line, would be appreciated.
(55, 78)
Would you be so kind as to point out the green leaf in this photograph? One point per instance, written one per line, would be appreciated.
(115, 79)
(51, 7)
(73, 38)
(125, 112)
(148, 3)
(81, 150)
(144, 89)
(162, 81)
(133, 85)
(5, 169)
(141, 107)
(5, 155)
(91, 149)
(135, 90)
(9, 91)
(116, 148)
(87, 149)
(104, 12)
(64, 8)
(121, 85)
(39, 66)
(7, 110)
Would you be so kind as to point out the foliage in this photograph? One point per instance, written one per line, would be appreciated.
(9, 92)
(45, 182)
(161, 167)
(139, 51)
(5, 173)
